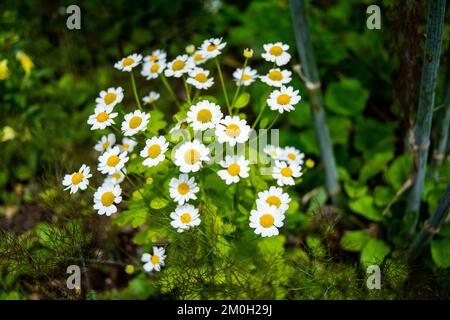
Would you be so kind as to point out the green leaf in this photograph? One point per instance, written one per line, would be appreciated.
(399, 171)
(364, 207)
(440, 252)
(301, 117)
(374, 165)
(354, 240)
(339, 129)
(135, 217)
(347, 97)
(271, 246)
(374, 252)
(354, 189)
(242, 101)
(382, 195)
(158, 203)
(156, 123)
(315, 245)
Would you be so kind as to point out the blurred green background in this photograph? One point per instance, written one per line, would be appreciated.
(50, 76)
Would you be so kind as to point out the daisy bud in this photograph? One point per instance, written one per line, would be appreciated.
(129, 269)
(310, 163)
(149, 180)
(248, 53)
(190, 49)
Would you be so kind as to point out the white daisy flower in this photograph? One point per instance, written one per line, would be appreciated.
(232, 130)
(277, 77)
(276, 52)
(183, 189)
(285, 172)
(182, 125)
(106, 197)
(185, 217)
(102, 117)
(179, 66)
(157, 55)
(154, 151)
(273, 151)
(128, 145)
(151, 97)
(284, 99)
(266, 220)
(190, 155)
(199, 78)
(235, 168)
(290, 154)
(77, 180)
(154, 261)
(110, 97)
(247, 76)
(198, 57)
(128, 63)
(211, 47)
(111, 161)
(135, 122)
(274, 197)
(152, 69)
(204, 115)
(105, 143)
(117, 177)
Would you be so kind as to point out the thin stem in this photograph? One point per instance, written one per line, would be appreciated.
(259, 116)
(134, 185)
(169, 89)
(135, 90)
(273, 121)
(188, 91)
(116, 129)
(219, 70)
(236, 94)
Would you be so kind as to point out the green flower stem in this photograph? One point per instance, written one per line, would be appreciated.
(259, 116)
(116, 129)
(236, 94)
(134, 186)
(273, 121)
(169, 89)
(188, 91)
(133, 82)
(219, 70)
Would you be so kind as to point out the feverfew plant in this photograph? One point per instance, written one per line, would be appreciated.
(206, 169)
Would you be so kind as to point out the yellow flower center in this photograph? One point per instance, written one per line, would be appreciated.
(109, 97)
(112, 161)
(276, 50)
(192, 156)
(246, 77)
(183, 125)
(275, 75)
(107, 198)
(116, 176)
(105, 145)
(185, 218)
(154, 259)
(135, 122)
(154, 68)
(154, 151)
(266, 220)
(211, 47)
(283, 99)
(77, 178)
(201, 77)
(286, 172)
(177, 65)
(125, 146)
(153, 57)
(292, 156)
(232, 130)
(127, 62)
(204, 115)
(102, 116)
(273, 201)
(234, 169)
(198, 57)
(183, 188)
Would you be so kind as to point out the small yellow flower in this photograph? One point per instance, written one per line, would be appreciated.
(25, 60)
(248, 53)
(4, 71)
(8, 133)
(190, 49)
(310, 163)
(129, 269)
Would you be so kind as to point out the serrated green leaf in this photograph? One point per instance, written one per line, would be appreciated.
(374, 252)
(354, 240)
(364, 207)
(158, 203)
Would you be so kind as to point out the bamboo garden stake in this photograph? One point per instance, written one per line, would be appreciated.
(310, 76)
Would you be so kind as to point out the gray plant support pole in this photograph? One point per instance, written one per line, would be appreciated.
(443, 119)
(312, 81)
(435, 25)
(431, 226)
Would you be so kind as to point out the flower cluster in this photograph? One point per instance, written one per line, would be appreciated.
(191, 156)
